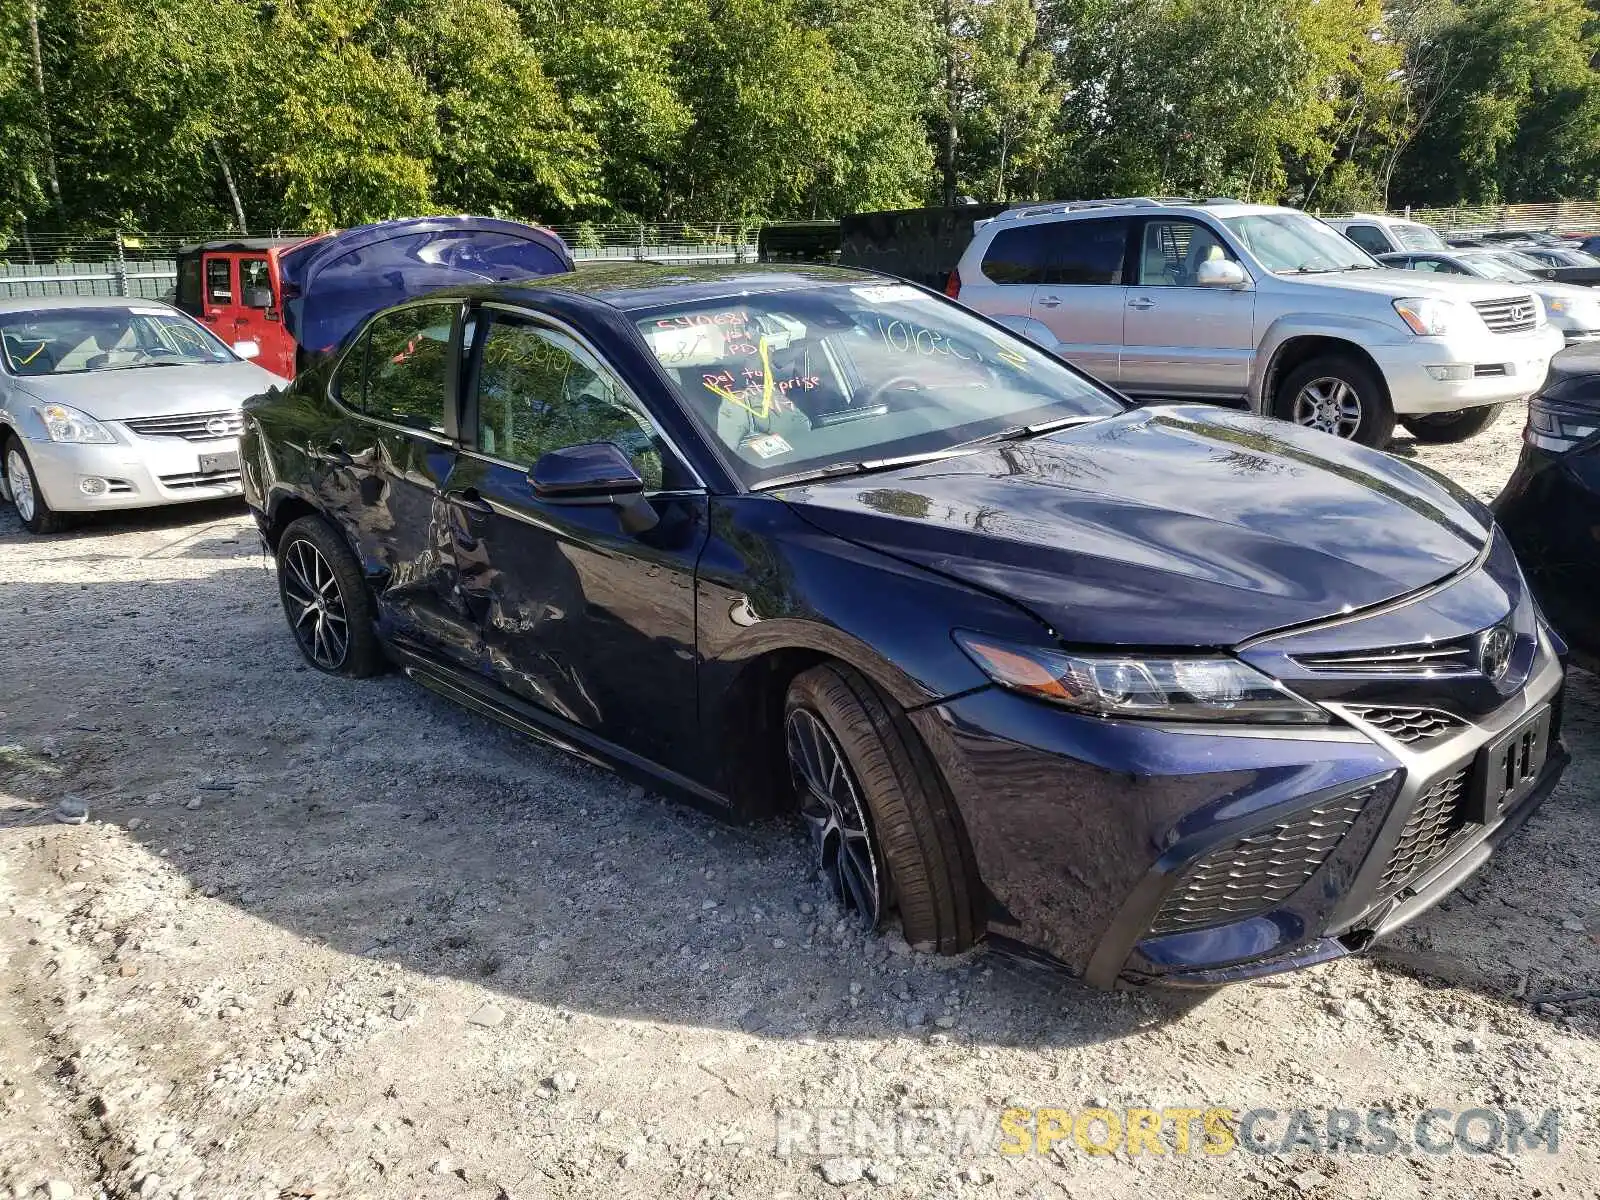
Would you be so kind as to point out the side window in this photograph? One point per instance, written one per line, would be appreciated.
(255, 284)
(1087, 251)
(1370, 238)
(189, 284)
(349, 378)
(408, 356)
(1171, 252)
(1019, 255)
(219, 280)
(539, 391)
(1427, 264)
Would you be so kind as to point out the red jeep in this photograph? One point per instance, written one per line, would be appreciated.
(236, 288)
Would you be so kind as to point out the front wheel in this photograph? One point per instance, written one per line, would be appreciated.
(882, 824)
(1439, 428)
(1337, 394)
(326, 601)
(22, 488)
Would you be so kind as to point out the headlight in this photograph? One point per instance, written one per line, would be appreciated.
(65, 424)
(1433, 318)
(1199, 688)
(1584, 311)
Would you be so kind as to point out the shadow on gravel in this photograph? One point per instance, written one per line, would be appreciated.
(88, 528)
(383, 821)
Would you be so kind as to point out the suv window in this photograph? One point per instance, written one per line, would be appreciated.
(1370, 238)
(538, 391)
(219, 280)
(1172, 251)
(1087, 251)
(254, 280)
(407, 356)
(1019, 255)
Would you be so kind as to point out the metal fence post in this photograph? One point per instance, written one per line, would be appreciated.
(120, 270)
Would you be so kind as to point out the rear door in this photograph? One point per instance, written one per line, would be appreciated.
(1081, 297)
(219, 294)
(1181, 339)
(382, 469)
(575, 614)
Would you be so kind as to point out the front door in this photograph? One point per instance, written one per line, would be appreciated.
(1080, 300)
(576, 615)
(1180, 339)
(382, 470)
(257, 317)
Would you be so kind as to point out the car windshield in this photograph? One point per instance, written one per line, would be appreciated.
(1417, 237)
(1490, 266)
(843, 376)
(1291, 243)
(66, 341)
(1521, 261)
(1576, 258)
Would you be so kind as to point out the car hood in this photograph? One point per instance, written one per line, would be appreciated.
(1169, 526)
(1397, 283)
(152, 391)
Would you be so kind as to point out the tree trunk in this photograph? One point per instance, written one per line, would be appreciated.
(44, 112)
(233, 192)
(947, 153)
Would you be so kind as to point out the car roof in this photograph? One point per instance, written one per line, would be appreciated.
(49, 303)
(631, 286)
(1150, 206)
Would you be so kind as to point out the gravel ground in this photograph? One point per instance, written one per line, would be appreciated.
(322, 938)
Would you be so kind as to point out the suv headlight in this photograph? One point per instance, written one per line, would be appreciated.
(1429, 317)
(1584, 311)
(65, 424)
(1169, 687)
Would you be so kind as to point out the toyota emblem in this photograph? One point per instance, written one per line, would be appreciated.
(1494, 652)
(218, 427)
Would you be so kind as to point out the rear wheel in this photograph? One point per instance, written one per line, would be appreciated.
(1337, 394)
(1451, 426)
(882, 824)
(325, 600)
(22, 488)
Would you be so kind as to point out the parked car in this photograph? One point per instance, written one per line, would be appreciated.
(1569, 265)
(89, 424)
(1258, 306)
(1575, 311)
(1173, 695)
(1551, 507)
(1522, 237)
(1378, 234)
(250, 287)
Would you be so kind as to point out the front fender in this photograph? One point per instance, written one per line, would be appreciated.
(1364, 333)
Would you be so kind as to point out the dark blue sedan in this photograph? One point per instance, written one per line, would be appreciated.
(1171, 695)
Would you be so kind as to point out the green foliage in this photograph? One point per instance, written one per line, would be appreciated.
(292, 113)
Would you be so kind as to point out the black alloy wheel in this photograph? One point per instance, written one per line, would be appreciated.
(832, 807)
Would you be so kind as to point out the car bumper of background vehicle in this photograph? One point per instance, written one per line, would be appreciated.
(1085, 829)
(141, 473)
(1490, 369)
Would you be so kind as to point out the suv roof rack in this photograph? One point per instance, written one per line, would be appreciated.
(1066, 206)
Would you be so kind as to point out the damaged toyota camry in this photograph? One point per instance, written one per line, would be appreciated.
(1171, 695)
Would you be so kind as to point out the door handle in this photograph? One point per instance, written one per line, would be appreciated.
(1048, 301)
(1141, 303)
(470, 501)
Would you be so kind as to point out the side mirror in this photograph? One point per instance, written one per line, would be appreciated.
(1220, 273)
(247, 349)
(595, 473)
(258, 297)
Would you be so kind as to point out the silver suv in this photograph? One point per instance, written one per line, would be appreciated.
(1257, 305)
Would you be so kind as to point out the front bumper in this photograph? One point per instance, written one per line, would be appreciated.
(139, 472)
(1084, 829)
(1493, 368)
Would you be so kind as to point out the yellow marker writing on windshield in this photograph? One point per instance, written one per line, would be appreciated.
(766, 386)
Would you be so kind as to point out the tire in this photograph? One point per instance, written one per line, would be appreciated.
(22, 489)
(321, 587)
(1338, 394)
(1439, 428)
(921, 859)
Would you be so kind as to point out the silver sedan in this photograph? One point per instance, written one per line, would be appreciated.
(112, 404)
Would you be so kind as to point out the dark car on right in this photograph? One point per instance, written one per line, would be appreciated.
(1551, 507)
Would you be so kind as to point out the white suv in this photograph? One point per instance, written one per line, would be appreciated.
(1261, 306)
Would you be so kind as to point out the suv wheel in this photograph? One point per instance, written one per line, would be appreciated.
(22, 489)
(325, 600)
(1340, 395)
(1451, 426)
(881, 821)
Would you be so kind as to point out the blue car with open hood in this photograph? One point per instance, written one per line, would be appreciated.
(1168, 695)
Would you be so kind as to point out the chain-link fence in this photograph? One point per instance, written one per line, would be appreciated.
(144, 265)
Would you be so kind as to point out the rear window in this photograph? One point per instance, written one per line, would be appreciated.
(1019, 255)
(1089, 251)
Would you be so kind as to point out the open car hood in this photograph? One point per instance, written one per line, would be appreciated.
(333, 284)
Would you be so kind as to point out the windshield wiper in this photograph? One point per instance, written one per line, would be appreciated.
(866, 467)
(1019, 433)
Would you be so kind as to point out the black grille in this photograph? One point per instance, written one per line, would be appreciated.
(1408, 725)
(194, 479)
(1258, 872)
(191, 427)
(1438, 816)
(1511, 315)
(1455, 657)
